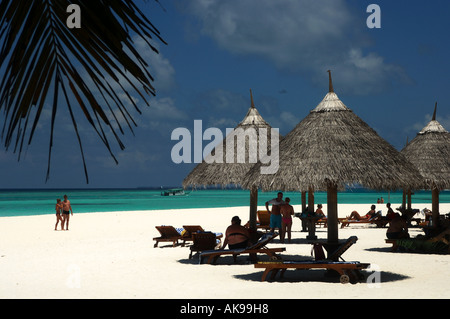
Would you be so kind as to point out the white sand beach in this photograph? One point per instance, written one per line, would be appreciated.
(111, 255)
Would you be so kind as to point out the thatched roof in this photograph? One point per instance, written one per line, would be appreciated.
(429, 151)
(233, 169)
(332, 145)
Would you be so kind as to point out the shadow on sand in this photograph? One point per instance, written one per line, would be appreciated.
(291, 275)
(320, 275)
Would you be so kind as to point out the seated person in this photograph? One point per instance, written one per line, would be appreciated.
(319, 211)
(236, 235)
(390, 213)
(397, 228)
(370, 214)
(428, 214)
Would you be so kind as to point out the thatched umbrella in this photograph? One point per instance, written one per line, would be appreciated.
(330, 149)
(429, 151)
(226, 166)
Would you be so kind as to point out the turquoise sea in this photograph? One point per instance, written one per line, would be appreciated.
(23, 202)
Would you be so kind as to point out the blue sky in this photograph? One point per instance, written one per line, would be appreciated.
(281, 49)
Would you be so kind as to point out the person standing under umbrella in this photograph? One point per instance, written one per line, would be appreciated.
(275, 213)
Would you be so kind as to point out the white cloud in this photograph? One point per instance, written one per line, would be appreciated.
(162, 116)
(159, 67)
(164, 108)
(305, 36)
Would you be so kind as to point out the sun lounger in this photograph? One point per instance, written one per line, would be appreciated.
(437, 244)
(394, 244)
(263, 219)
(168, 234)
(322, 222)
(341, 249)
(203, 241)
(189, 230)
(258, 248)
(348, 271)
(423, 246)
(379, 222)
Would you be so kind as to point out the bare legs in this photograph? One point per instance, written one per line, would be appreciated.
(285, 228)
(65, 221)
(59, 218)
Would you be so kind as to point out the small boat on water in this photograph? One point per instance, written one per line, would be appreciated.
(174, 192)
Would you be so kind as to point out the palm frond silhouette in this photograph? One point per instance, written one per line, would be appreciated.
(92, 68)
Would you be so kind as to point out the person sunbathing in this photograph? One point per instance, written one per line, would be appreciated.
(356, 216)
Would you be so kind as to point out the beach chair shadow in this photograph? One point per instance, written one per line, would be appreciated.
(348, 271)
(258, 248)
(317, 275)
(168, 234)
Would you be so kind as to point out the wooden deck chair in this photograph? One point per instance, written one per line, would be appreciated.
(168, 234)
(263, 219)
(189, 230)
(324, 221)
(258, 248)
(380, 222)
(348, 271)
(341, 249)
(203, 241)
(437, 244)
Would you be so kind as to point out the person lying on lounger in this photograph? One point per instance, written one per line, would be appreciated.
(370, 214)
(236, 236)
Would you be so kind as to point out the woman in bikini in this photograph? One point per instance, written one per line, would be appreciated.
(286, 211)
(58, 208)
(356, 216)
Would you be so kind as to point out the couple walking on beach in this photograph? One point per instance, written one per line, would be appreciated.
(63, 212)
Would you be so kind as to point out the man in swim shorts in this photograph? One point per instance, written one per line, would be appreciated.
(66, 210)
(275, 215)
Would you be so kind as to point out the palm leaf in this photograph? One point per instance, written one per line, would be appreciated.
(41, 58)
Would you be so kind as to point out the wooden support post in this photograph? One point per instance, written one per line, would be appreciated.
(409, 200)
(404, 199)
(253, 206)
(304, 223)
(333, 236)
(303, 202)
(435, 205)
(310, 199)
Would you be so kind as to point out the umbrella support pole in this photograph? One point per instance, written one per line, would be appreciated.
(435, 205)
(253, 206)
(332, 214)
